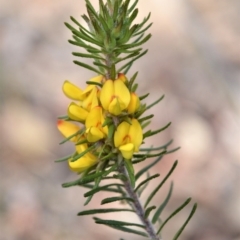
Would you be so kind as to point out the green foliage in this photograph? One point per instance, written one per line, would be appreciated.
(113, 38)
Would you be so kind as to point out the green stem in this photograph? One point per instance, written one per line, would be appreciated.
(137, 206)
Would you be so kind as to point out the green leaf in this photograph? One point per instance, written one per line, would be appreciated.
(90, 178)
(103, 210)
(71, 136)
(84, 55)
(144, 96)
(174, 213)
(146, 118)
(94, 83)
(99, 189)
(91, 186)
(132, 7)
(157, 148)
(128, 56)
(132, 79)
(145, 181)
(151, 133)
(63, 117)
(144, 30)
(156, 102)
(118, 223)
(140, 191)
(130, 170)
(88, 67)
(148, 211)
(133, 45)
(186, 222)
(144, 21)
(130, 62)
(63, 159)
(75, 158)
(163, 205)
(114, 199)
(125, 229)
(161, 184)
(145, 169)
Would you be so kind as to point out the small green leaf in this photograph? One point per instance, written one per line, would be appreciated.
(114, 199)
(145, 181)
(75, 158)
(146, 118)
(70, 137)
(98, 189)
(77, 54)
(103, 210)
(88, 67)
(148, 211)
(144, 96)
(94, 83)
(163, 205)
(186, 222)
(125, 229)
(156, 102)
(63, 159)
(90, 178)
(145, 169)
(130, 170)
(159, 130)
(174, 213)
(118, 223)
(131, 61)
(161, 184)
(156, 148)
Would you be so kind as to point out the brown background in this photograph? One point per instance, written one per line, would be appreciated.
(194, 59)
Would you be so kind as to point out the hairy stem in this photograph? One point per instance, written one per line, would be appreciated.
(138, 206)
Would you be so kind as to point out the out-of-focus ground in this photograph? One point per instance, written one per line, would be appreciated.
(194, 59)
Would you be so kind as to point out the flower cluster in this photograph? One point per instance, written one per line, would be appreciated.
(105, 121)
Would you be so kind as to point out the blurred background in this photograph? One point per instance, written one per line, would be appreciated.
(194, 59)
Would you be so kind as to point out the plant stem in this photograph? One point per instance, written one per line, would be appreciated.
(138, 206)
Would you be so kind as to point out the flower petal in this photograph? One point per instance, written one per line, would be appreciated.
(115, 107)
(71, 91)
(67, 129)
(77, 113)
(94, 134)
(83, 163)
(134, 103)
(127, 150)
(136, 135)
(94, 117)
(122, 92)
(121, 133)
(107, 93)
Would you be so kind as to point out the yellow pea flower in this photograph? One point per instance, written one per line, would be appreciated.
(83, 163)
(134, 103)
(67, 129)
(115, 96)
(128, 138)
(93, 124)
(86, 161)
(87, 98)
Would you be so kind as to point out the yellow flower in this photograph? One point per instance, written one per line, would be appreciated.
(87, 98)
(134, 103)
(87, 160)
(93, 124)
(122, 77)
(115, 96)
(128, 138)
(83, 163)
